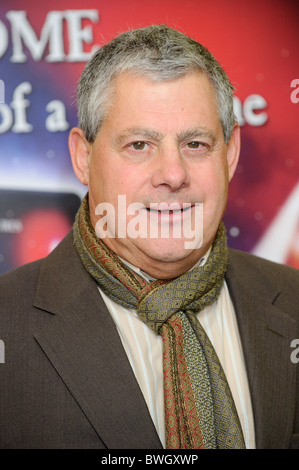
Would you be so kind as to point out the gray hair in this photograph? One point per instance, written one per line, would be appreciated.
(157, 52)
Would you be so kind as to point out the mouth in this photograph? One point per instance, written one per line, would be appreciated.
(169, 211)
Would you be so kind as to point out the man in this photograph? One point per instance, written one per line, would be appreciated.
(136, 332)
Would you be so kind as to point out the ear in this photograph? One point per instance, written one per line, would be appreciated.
(79, 150)
(233, 150)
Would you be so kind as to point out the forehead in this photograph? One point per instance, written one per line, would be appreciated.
(186, 102)
(128, 85)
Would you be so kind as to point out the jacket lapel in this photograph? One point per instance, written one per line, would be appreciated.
(266, 333)
(82, 343)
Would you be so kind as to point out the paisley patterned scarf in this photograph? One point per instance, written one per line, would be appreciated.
(199, 408)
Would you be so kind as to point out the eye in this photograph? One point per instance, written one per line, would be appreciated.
(194, 145)
(138, 145)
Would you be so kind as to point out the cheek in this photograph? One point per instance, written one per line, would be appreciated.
(127, 180)
(109, 182)
(212, 179)
(214, 184)
(100, 183)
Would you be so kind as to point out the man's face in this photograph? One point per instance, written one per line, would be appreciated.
(162, 143)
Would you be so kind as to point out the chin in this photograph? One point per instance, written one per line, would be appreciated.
(166, 251)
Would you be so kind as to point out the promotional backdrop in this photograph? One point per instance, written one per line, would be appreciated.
(43, 49)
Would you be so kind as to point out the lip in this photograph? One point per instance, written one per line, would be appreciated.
(172, 206)
(172, 212)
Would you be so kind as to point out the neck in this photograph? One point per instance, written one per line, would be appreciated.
(156, 268)
(150, 278)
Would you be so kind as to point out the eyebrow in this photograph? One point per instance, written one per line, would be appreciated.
(188, 134)
(140, 132)
(196, 133)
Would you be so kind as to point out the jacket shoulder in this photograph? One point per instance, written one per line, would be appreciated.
(266, 279)
(19, 283)
(251, 265)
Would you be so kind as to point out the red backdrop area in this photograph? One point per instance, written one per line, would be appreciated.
(255, 41)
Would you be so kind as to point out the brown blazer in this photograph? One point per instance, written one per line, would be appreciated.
(67, 383)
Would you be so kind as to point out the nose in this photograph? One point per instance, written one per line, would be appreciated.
(170, 170)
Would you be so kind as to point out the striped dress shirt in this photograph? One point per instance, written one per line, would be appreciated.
(144, 349)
